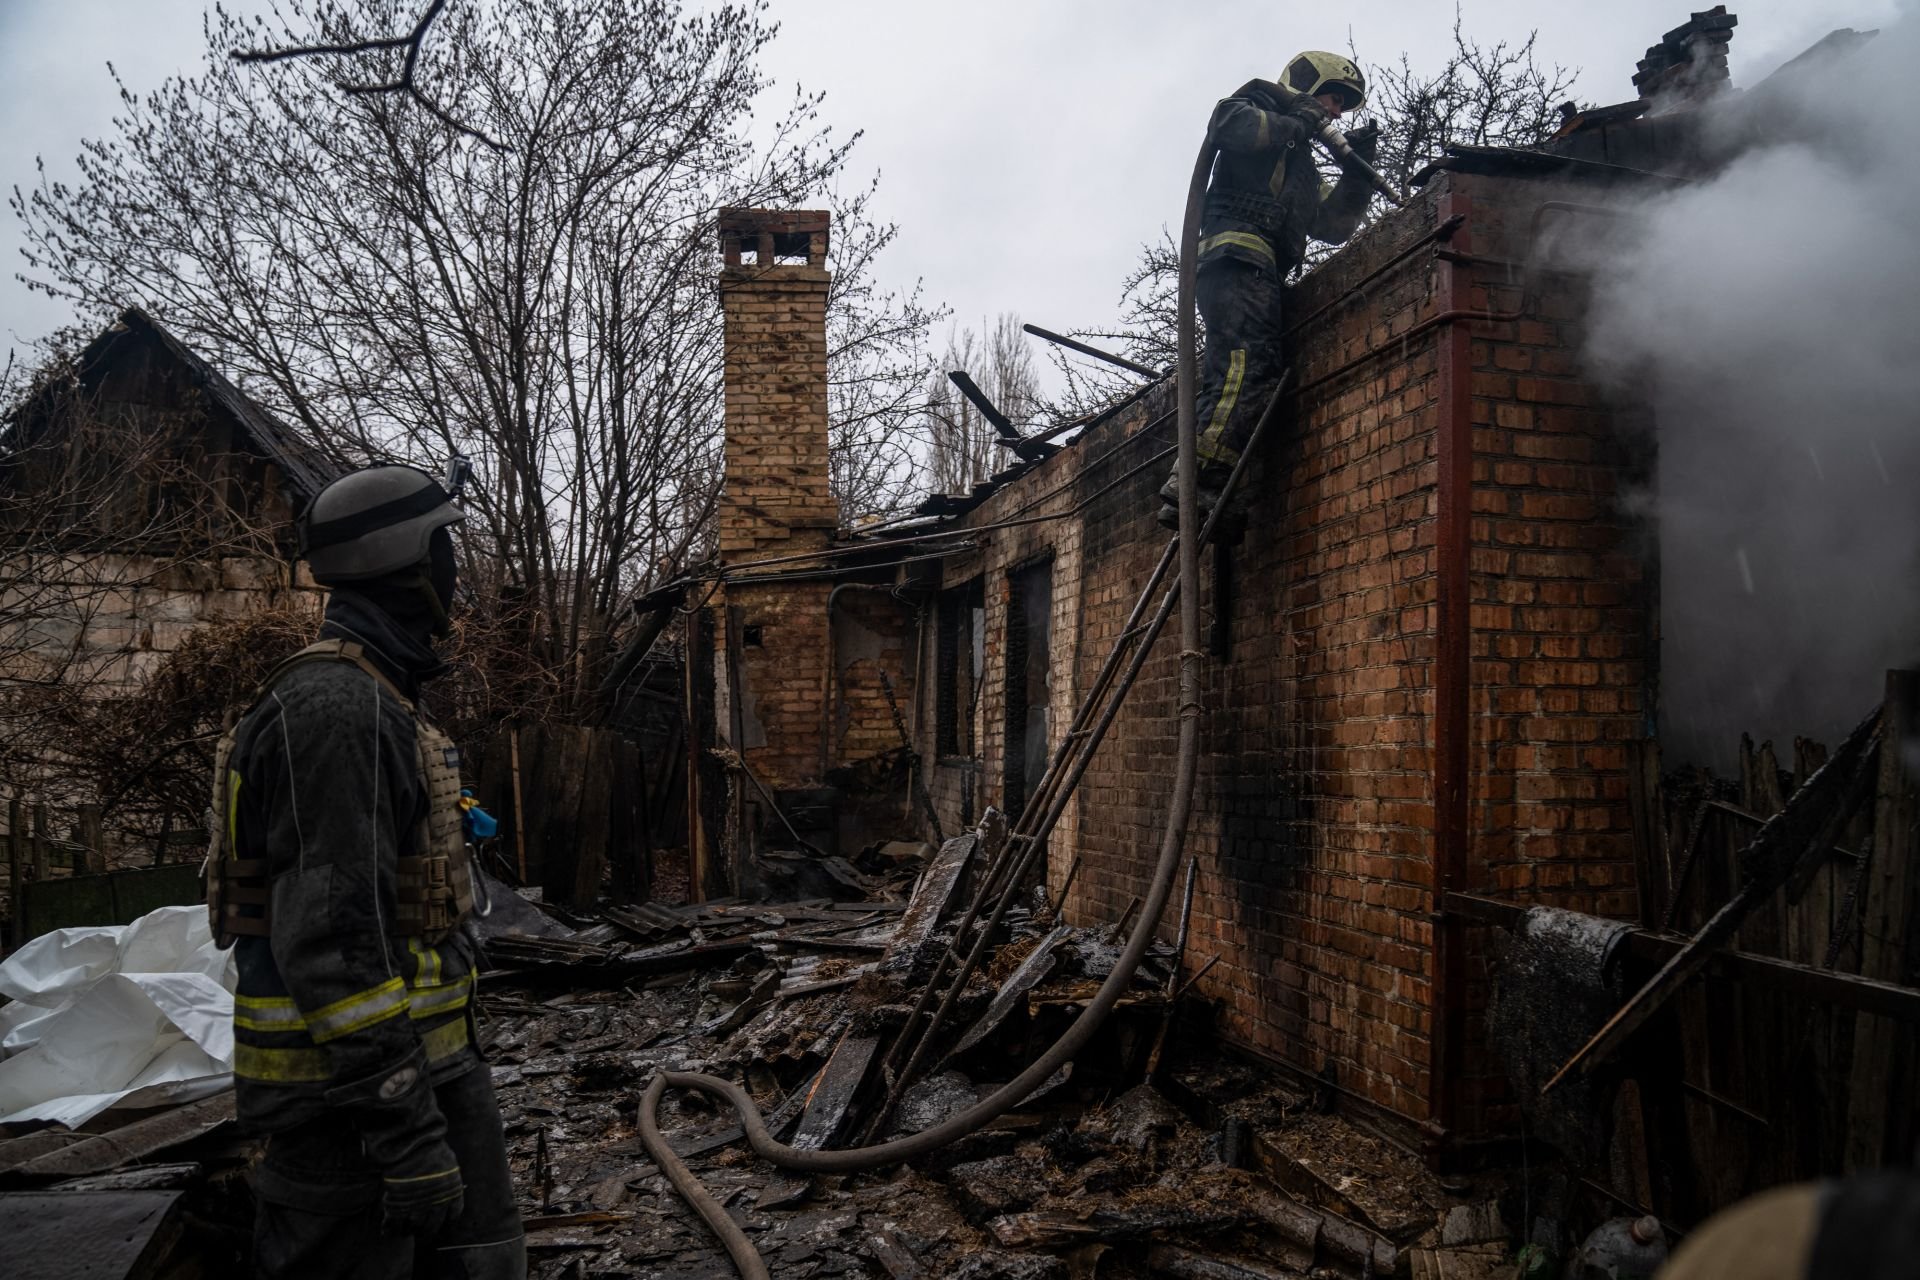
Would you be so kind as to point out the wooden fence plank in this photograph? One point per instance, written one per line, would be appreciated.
(1885, 900)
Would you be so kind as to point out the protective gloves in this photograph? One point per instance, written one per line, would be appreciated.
(422, 1193)
(1310, 113)
(1365, 141)
(403, 1132)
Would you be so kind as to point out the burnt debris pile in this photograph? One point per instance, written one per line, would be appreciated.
(1213, 1169)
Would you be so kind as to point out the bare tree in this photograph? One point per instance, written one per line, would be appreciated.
(876, 370)
(1495, 95)
(961, 449)
(522, 274)
(408, 46)
(1147, 333)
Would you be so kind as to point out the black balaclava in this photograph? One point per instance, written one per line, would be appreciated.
(420, 598)
(442, 573)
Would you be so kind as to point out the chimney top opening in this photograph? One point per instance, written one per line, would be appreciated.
(774, 237)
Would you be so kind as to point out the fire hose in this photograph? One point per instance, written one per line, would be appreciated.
(1173, 840)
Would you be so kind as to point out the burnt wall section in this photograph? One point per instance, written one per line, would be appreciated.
(1315, 824)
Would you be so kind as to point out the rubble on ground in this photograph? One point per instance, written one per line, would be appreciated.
(1218, 1169)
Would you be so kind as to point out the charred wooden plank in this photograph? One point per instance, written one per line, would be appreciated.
(90, 1233)
(131, 1142)
(1053, 1230)
(1885, 905)
(1038, 964)
(834, 1092)
(932, 894)
(1184, 1264)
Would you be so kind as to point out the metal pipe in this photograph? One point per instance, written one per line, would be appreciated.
(1173, 841)
(990, 877)
(1074, 344)
(1452, 672)
(1069, 742)
(1035, 841)
(1030, 847)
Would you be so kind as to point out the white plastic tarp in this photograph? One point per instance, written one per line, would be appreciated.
(139, 1013)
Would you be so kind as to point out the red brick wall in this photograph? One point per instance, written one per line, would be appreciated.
(1314, 825)
(1561, 606)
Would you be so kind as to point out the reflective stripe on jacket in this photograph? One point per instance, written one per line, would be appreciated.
(275, 1043)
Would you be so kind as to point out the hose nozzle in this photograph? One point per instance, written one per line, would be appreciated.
(1337, 146)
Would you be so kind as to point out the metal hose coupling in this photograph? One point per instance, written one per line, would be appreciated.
(1337, 146)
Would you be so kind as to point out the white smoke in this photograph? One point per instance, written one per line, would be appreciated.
(1773, 315)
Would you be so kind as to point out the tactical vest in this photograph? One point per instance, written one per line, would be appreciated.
(433, 887)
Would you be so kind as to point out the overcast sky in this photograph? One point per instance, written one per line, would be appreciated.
(1026, 147)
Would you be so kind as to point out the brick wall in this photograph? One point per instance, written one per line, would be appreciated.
(1315, 825)
(873, 632)
(1561, 602)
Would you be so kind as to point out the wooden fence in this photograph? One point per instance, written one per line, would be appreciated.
(1742, 1083)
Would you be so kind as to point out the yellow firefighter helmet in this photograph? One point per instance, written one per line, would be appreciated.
(1317, 71)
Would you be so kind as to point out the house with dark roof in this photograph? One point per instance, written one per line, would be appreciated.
(142, 495)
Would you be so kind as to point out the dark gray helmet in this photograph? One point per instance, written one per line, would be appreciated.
(373, 523)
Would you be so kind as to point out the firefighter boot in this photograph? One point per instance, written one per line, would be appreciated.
(1210, 484)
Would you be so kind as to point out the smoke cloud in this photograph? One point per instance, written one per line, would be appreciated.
(1771, 314)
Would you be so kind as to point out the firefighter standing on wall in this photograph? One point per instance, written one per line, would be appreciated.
(1265, 199)
(339, 868)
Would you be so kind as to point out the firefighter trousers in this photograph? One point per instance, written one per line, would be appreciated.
(1240, 303)
(319, 1201)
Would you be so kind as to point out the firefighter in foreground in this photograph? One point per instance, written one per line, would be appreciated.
(339, 869)
(1264, 201)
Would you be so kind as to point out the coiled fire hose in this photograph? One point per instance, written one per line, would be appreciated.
(1173, 839)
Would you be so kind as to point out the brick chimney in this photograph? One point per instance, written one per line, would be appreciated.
(1690, 62)
(776, 498)
(769, 631)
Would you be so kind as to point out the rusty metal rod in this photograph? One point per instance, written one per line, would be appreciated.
(1043, 795)
(1074, 344)
(1002, 425)
(908, 1037)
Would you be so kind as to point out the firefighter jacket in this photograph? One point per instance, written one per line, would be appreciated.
(325, 785)
(1266, 196)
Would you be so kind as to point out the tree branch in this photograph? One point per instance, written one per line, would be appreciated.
(406, 84)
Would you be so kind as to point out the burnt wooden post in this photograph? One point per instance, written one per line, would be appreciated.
(92, 850)
(41, 868)
(698, 853)
(1885, 897)
(16, 865)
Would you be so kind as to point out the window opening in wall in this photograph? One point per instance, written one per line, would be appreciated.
(961, 662)
(753, 635)
(1029, 681)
